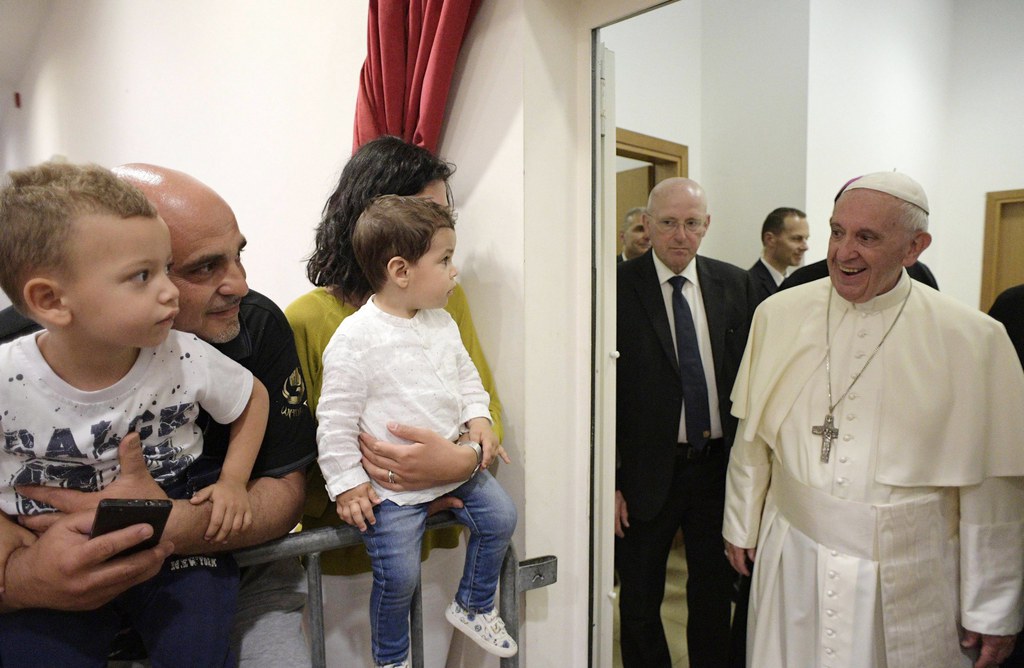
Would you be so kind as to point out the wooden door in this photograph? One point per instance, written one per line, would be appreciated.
(664, 159)
(632, 187)
(1003, 264)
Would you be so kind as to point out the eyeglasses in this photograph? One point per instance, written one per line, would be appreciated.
(690, 226)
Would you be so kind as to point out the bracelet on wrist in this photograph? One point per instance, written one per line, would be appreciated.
(479, 454)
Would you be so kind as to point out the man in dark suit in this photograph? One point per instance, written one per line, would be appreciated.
(674, 427)
(633, 235)
(784, 236)
(1009, 310)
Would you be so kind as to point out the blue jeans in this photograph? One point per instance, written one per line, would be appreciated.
(394, 547)
(183, 614)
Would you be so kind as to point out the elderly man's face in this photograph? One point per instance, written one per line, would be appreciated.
(635, 241)
(677, 220)
(869, 245)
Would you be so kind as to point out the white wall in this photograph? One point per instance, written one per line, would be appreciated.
(985, 149)
(754, 120)
(658, 75)
(262, 111)
(877, 104)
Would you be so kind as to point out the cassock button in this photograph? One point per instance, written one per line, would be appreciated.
(834, 553)
(862, 333)
(843, 460)
(860, 354)
(847, 437)
(853, 395)
(829, 651)
(833, 575)
(830, 633)
(830, 613)
(830, 593)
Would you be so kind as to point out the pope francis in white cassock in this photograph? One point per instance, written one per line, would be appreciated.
(876, 479)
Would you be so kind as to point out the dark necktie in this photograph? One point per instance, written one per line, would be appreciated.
(691, 371)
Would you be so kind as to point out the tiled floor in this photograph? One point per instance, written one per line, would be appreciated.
(673, 610)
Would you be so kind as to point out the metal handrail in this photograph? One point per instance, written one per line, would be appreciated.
(310, 543)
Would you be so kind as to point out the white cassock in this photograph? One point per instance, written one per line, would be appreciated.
(916, 522)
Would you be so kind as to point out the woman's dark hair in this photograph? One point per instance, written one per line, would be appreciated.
(385, 166)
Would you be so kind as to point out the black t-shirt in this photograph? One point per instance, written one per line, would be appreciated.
(266, 347)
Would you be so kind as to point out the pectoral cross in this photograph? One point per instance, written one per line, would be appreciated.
(828, 433)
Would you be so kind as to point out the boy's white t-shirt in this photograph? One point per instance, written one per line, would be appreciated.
(57, 435)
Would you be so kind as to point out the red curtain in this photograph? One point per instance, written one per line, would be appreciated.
(412, 47)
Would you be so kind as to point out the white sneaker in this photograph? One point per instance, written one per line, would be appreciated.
(485, 628)
(400, 664)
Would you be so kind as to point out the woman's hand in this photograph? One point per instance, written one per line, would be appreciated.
(429, 461)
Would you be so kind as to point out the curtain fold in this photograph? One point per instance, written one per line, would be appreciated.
(412, 47)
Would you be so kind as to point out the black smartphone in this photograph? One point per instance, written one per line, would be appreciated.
(114, 514)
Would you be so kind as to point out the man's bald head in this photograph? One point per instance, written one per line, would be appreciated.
(677, 219)
(206, 245)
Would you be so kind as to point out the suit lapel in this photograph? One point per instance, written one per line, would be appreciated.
(764, 277)
(653, 302)
(712, 290)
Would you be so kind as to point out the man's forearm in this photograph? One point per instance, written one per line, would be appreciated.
(276, 508)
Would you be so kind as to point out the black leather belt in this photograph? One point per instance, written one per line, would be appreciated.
(686, 451)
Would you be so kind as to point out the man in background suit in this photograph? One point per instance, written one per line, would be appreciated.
(633, 235)
(673, 452)
(784, 236)
(1009, 310)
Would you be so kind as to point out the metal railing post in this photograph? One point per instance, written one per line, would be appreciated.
(315, 608)
(508, 601)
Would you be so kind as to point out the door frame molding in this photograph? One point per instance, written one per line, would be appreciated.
(994, 202)
(669, 158)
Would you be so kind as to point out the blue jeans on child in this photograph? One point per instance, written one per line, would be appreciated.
(393, 544)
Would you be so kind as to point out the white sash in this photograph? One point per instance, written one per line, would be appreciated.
(910, 541)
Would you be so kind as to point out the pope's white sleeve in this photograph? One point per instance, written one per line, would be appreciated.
(750, 471)
(992, 556)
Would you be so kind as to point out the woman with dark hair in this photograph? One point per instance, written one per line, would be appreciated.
(384, 166)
